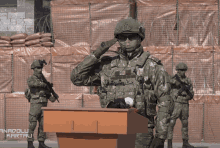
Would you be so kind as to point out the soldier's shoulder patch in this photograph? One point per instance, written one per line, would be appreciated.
(155, 59)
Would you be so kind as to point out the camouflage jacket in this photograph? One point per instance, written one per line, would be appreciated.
(119, 77)
(184, 97)
(37, 93)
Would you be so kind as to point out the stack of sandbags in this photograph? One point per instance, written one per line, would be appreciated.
(18, 40)
(5, 41)
(46, 40)
(33, 40)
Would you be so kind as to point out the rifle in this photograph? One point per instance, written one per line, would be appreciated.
(184, 87)
(52, 91)
(49, 84)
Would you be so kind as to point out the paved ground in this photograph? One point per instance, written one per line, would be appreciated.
(53, 144)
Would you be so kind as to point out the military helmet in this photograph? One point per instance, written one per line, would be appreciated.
(130, 25)
(181, 66)
(38, 63)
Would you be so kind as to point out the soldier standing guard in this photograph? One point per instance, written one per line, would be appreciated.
(134, 74)
(38, 95)
(182, 92)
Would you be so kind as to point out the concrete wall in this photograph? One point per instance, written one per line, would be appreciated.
(17, 20)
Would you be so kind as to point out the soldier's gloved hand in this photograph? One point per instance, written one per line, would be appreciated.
(43, 85)
(104, 47)
(41, 94)
(188, 98)
(177, 83)
(135, 109)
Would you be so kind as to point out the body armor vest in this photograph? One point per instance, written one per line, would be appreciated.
(122, 79)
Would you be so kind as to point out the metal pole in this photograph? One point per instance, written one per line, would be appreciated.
(177, 21)
(218, 22)
(5, 138)
(203, 122)
(172, 58)
(12, 73)
(90, 36)
(133, 9)
(51, 25)
(213, 70)
(51, 67)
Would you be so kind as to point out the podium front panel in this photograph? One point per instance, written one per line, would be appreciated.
(85, 122)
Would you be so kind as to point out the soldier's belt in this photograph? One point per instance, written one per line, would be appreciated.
(35, 96)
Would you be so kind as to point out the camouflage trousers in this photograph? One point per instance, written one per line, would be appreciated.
(162, 119)
(36, 114)
(180, 111)
(143, 140)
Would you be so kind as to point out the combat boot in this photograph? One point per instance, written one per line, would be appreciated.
(42, 145)
(30, 144)
(169, 143)
(186, 144)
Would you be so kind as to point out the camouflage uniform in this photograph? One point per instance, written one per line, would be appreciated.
(181, 108)
(39, 95)
(119, 77)
(136, 75)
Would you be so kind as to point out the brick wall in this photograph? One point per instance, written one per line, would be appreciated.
(18, 19)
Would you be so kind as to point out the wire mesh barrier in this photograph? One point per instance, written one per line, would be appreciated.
(159, 23)
(63, 64)
(198, 25)
(181, 23)
(17, 111)
(71, 25)
(211, 129)
(6, 71)
(104, 18)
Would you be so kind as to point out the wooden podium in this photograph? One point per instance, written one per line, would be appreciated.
(94, 127)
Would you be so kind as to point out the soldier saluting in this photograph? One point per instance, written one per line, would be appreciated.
(38, 94)
(182, 92)
(134, 74)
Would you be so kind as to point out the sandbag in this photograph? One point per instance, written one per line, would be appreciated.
(32, 42)
(7, 38)
(5, 48)
(47, 44)
(19, 36)
(5, 45)
(46, 39)
(4, 42)
(18, 45)
(45, 35)
(33, 36)
(36, 45)
(18, 41)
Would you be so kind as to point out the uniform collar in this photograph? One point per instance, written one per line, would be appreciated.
(131, 56)
(138, 60)
(39, 76)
